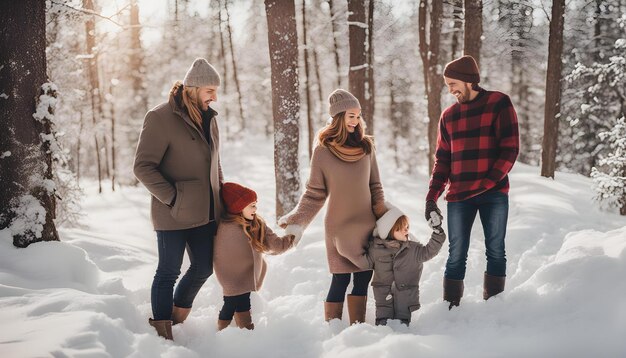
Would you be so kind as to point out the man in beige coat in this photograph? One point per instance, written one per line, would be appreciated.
(177, 160)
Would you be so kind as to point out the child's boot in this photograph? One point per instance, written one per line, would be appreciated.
(356, 308)
(492, 285)
(452, 291)
(333, 310)
(244, 320)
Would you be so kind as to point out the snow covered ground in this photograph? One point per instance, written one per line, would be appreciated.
(89, 295)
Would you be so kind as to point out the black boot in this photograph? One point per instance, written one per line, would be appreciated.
(452, 291)
(492, 285)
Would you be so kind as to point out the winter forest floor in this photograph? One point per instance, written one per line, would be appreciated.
(89, 296)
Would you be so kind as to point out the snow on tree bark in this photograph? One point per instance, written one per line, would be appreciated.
(27, 202)
(283, 51)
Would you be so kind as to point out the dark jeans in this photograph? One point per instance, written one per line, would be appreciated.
(493, 208)
(340, 282)
(199, 244)
(232, 304)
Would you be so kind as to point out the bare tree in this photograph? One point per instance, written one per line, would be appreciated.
(553, 90)
(25, 159)
(334, 29)
(307, 75)
(473, 28)
(234, 65)
(94, 83)
(283, 52)
(429, 52)
(457, 18)
(225, 64)
(358, 26)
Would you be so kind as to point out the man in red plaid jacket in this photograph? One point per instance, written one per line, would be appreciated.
(477, 145)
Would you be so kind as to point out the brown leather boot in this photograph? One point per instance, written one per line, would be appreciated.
(223, 323)
(244, 320)
(356, 308)
(452, 291)
(492, 285)
(163, 328)
(179, 314)
(333, 310)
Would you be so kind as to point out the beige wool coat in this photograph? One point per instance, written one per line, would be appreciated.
(355, 199)
(174, 158)
(239, 268)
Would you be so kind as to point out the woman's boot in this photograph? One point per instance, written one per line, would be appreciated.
(492, 285)
(163, 328)
(244, 320)
(356, 308)
(179, 315)
(333, 310)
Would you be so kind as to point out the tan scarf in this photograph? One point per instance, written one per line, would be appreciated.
(347, 154)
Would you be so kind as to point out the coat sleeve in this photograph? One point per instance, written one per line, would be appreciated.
(275, 244)
(153, 143)
(313, 199)
(376, 190)
(425, 253)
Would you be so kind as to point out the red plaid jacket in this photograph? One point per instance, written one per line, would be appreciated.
(477, 145)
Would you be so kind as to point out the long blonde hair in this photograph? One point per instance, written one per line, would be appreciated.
(188, 98)
(254, 229)
(336, 134)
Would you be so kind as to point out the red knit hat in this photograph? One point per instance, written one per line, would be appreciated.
(236, 197)
(463, 69)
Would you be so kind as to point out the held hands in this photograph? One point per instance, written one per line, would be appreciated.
(435, 222)
(295, 231)
(431, 206)
(433, 216)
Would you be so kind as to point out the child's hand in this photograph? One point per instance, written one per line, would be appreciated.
(435, 222)
(295, 231)
(282, 222)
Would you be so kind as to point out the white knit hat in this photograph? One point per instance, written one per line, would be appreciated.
(340, 101)
(201, 74)
(385, 223)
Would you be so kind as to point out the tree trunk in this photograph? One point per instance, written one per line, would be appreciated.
(320, 92)
(473, 29)
(334, 28)
(457, 18)
(94, 83)
(370, 97)
(283, 51)
(307, 87)
(553, 90)
(357, 76)
(432, 76)
(234, 65)
(225, 64)
(140, 99)
(25, 159)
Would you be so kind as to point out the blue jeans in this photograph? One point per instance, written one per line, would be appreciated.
(493, 208)
(199, 244)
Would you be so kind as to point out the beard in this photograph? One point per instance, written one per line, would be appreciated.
(463, 95)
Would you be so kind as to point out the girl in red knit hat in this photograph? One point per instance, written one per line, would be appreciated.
(241, 240)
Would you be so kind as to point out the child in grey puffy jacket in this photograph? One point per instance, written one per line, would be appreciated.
(397, 260)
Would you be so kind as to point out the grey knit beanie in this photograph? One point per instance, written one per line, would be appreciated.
(340, 101)
(201, 74)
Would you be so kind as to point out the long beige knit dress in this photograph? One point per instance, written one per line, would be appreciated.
(355, 199)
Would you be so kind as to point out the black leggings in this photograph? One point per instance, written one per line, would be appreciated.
(340, 282)
(234, 304)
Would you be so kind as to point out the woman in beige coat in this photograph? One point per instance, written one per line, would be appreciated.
(241, 240)
(344, 170)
